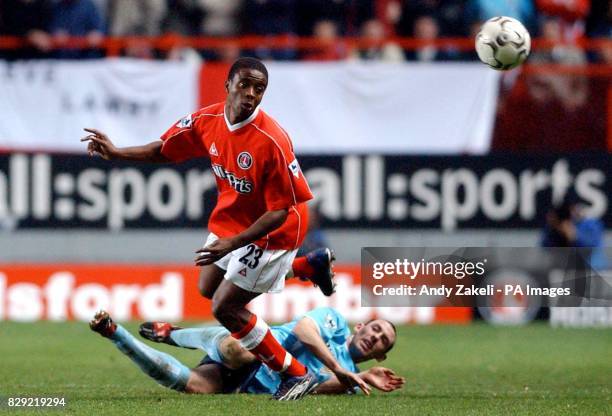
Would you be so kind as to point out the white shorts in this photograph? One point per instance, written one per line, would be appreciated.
(254, 269)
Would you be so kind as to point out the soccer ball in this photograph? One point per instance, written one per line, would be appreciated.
(503, 43)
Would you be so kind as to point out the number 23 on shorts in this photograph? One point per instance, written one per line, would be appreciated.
(252, 256)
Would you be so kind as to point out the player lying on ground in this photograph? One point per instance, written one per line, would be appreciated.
(321, 339)
(260, 218)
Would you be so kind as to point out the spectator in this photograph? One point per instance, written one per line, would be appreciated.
(599, 25)
(389, 12)
(477, 11)
(571, 15)
(604, 52)
(568, 10)
(566, 226)
(29, 19)
(599, 20)
(136, 18)
(184, 17)
(203, 17)
(76, 18)
(550, 110)
(331, 48)
(221, 17)
(102, 6)
(449, 14)
(374, 31)
(347, 15)
(180, 51)
(572, 91)
(426, 28)
(273, 17)
(270, 17)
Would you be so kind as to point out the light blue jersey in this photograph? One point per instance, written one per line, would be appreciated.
(335, 332)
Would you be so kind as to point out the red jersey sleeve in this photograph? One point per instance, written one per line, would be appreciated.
(182, 142)
(285, 184)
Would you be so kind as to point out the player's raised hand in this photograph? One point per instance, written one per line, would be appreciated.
(214, 251)
(98, 143)
(350, 379)
(384, 379)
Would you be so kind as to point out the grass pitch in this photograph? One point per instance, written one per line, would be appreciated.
(475, 370)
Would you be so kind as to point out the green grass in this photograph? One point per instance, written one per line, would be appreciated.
(474, 370)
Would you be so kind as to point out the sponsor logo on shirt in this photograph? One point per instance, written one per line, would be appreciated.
(245, 160)
(294, 167)
(184, 123)
(241, 185)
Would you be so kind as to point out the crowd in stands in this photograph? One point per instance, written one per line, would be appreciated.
(45, 23)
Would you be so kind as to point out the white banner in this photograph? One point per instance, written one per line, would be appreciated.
(383, 107)
(46, 104)
(326, 107)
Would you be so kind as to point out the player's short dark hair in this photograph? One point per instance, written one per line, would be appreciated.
(394, 332)
(248, 63)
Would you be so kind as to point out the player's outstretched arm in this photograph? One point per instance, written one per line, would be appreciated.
(384, 379)
(98, 143)
(307, 332)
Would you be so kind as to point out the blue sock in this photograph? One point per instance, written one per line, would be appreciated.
(162, 367)
(206, 338)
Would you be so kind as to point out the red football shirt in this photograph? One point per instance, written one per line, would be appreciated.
(255, 169)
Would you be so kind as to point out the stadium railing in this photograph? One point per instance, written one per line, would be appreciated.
(114, 45)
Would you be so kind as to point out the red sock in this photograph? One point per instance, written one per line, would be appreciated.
(257, 338)
(301, 267)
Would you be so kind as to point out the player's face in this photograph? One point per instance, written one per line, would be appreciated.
(372, 340)
(244, 93)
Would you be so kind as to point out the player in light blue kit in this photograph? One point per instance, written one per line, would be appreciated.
(320, 339)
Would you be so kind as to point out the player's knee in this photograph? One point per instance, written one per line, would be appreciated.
(207, 382)
(205, 289)
(223, 313)
(209, 280)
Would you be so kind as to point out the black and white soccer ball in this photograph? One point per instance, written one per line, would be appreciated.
(503, 43)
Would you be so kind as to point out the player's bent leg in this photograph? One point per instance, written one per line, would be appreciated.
(214, 340)
(234, 355)
(318, 267)
(252, 332)
(162, 367)
(207, 338)
(228, 305)
(205, 379)
(255, 336)
(210, 278)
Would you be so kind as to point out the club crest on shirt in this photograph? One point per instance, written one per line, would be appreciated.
(184, 123)
(245, 160)
(330, 322)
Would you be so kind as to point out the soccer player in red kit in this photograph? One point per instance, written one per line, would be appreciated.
(260, 218)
